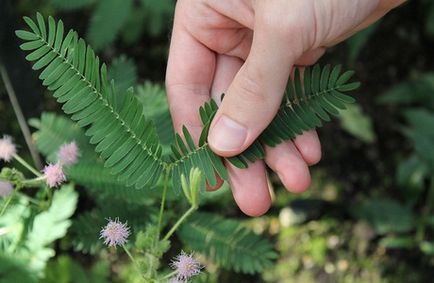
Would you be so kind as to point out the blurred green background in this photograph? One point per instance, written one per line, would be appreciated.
(369, 214)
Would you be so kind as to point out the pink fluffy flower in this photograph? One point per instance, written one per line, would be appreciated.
(115, 233)
(68, 153)
(185, 266)
(54, 175)
(7, 148)
(5, 188)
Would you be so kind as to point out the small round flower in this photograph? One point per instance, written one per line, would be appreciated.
(54, 175)
(5, 188)
(7, 148)
(115, 233)
(185, 266)
(68, 153)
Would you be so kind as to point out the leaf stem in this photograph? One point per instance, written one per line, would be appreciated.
(167, 276)
(27, 165)
(8, 201)
(32, 183)
(163, 201)
(179, 222)
(136, 265)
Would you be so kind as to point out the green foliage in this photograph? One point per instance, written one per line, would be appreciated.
(418, 90)
(65, 270)
(227, 243)
(386, 215)
(154, 100)
(30, 236)
(157, 15)
(154, 17)
(309, 102)
(49, 226)
(357, 123)
(122, 136)
(67, 5)
(13, 271)
(107, 20)
(124, 72)
(421, 133)
(51, 135)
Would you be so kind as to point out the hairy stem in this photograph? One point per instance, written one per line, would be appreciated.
(20, 117)
(163, 201)
(33, 183)
(179, 222)
(8, 201)
(136, 265)
(167, 276)
(27, 165)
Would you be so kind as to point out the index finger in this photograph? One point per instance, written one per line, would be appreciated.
(190, 70)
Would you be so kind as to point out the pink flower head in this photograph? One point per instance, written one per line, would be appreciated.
(7, 148)
(68, 153)
(5, 188)
(115, 233)
(185, 266)
(54, 175)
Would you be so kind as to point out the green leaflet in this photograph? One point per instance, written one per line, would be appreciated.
(129, 143)
(227, 242)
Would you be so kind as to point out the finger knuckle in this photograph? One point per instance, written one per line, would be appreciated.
(250, 89)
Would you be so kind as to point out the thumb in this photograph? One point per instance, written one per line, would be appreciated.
(253, 98)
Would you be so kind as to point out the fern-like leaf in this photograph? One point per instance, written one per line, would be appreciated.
(122, 136)
(227, 243)
(310, 101)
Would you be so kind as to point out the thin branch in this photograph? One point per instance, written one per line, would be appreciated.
(20, 117)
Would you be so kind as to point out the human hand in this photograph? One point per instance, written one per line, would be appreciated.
(246, 49)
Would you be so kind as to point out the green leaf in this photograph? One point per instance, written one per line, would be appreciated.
(227, 243)
(107, 20)
(427, 248)
(50, 226)
(13, 270)
(385, 215)
(401, 242)
(127, 141)
(417, 90)
(421, 133)
(124, 72)
(357, 123)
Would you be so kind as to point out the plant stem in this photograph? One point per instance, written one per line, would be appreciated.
(136, 265)
(20, 117)
(32, 183)
(163, 201)
(179, 222)
(167, 276)
(8, 201)
(27, 165)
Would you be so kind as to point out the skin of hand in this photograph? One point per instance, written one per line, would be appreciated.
(247, 49)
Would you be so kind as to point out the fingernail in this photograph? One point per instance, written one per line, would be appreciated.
(227, 135)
